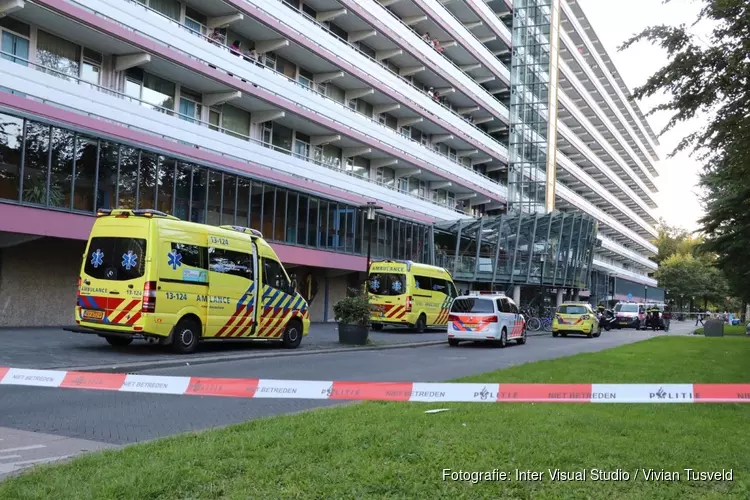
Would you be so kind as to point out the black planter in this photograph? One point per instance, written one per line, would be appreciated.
(353, 334)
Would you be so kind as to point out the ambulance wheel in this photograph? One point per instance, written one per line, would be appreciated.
(377, 326)
(185, 336)
(421, 324)
(292, 335)
(504, 338)
(554, 334)
(119, 341)
(598, 333)
(452, 342)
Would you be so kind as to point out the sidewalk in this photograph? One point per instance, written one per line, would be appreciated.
(53, 348)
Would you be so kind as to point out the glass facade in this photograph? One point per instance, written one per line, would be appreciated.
(533, 106)
(554, 249)
(45, 166)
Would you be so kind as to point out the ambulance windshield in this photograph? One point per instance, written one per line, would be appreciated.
(115, 259)
(387, 284)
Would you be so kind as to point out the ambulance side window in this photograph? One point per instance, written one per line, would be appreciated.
(423, 282)
(230, 262)
(438, 285)
(191, 255)
(273, 276)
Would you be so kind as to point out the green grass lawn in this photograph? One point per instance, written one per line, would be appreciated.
(395, 450)
(729, 330)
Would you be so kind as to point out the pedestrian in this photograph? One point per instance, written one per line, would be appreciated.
(699, 318)
(235, 48)
(667, 317)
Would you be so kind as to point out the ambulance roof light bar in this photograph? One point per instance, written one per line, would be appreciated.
(126, 212)
(241, 229)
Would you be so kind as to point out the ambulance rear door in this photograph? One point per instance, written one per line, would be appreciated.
(114, 271)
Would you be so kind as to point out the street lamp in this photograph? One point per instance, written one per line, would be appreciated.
(645, 293)
(370, 212)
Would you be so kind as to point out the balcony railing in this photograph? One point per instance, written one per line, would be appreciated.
(282, 97)
(171, 112)
(246, 58)
(405, 80)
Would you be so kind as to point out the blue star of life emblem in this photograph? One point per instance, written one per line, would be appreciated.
(175, 259)
(375, 284)
(396, 286)
(129, 260)
(97, 258)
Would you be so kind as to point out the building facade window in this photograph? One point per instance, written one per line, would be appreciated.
(53, 167)
(152, 91)
(15, 40)
(190, 105)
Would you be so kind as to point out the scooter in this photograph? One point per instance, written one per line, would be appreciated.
(607, 319)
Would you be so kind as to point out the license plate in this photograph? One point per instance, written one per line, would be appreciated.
(470, 325)
(623, 322)
(93, 315)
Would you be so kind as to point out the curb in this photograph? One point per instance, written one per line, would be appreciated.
(186, 361)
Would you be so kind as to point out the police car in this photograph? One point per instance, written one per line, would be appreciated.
(485, 317)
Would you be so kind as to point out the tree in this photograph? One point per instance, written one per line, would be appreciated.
(687, 276)
(672, 240)
(712, 79)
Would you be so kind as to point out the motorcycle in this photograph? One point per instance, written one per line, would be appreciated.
(606, 319)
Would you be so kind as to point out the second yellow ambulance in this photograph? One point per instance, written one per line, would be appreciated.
(404, 293)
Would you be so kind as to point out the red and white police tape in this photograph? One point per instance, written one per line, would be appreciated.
(380, 391)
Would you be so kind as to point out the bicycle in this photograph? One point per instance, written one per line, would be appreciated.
(532, 322)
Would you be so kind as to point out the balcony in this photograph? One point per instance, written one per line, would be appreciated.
(575, 22)
(569, 53)
(470, 47)
(611, 249)
(459, 129)
(219, 56)
(632, 166)
(573, 146)
(405, 36)
(620, 272)
(62, 90)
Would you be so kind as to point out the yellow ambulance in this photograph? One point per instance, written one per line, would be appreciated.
(404, 293)
(149, 275)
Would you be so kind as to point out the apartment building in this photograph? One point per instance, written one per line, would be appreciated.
(288, 116)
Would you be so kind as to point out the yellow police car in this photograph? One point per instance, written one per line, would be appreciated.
(575, 317)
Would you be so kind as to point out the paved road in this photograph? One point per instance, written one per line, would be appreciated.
(98, 419)
(52, 348)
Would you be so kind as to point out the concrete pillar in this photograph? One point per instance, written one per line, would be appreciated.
(576, 296)
(517, 294)
(559, 296)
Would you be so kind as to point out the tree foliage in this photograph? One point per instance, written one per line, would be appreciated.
(673, 240)
(687, 276)
(712, 79)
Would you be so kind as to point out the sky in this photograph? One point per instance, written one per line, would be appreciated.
(616, 21)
